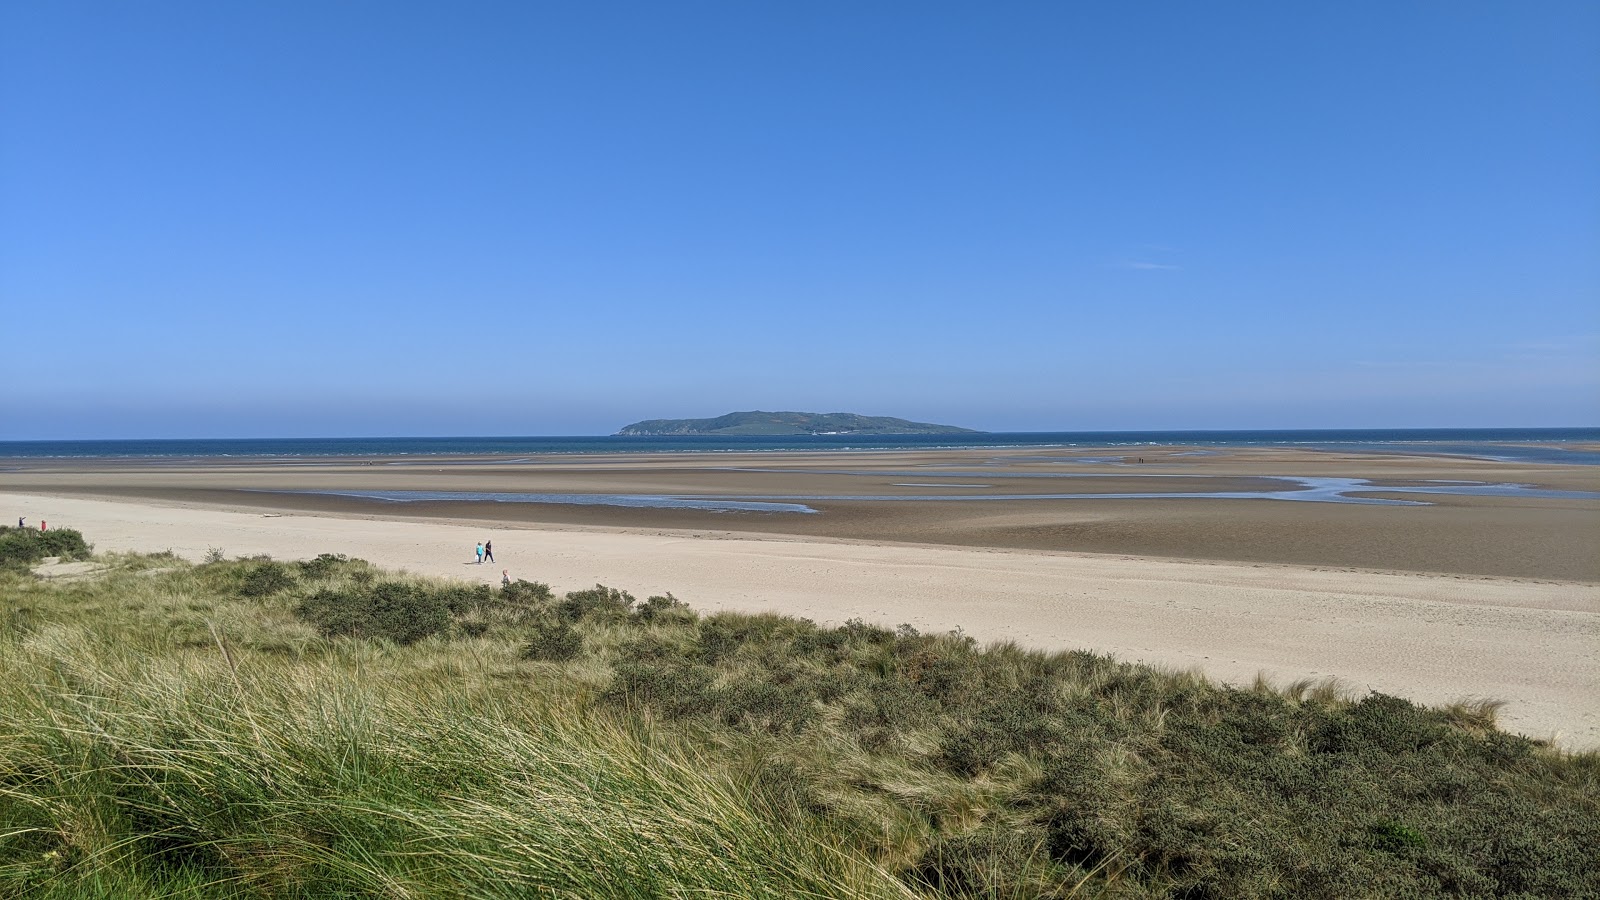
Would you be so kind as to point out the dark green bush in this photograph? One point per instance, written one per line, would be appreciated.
(1396, 837)
(944, 671)
(674, 689)
(765, 706)
(718, 638)
(553, 640)
(857, 631)
(1380, 724)
(265, 579)
(597, 602)
(1170, 785)
(827, 644)
(327, 564)
(20, 547)
(527, 592)
(663, 608)
(397, 611)
(405, 612)
(463, 598)
(879, 712)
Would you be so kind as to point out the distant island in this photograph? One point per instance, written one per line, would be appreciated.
(785, 423)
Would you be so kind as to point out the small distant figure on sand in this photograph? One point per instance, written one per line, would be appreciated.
(479, 551)
(488, 550)
(42, 524)
(20, 520)
(505, 578)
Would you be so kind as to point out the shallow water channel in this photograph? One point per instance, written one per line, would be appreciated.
(1303, 489)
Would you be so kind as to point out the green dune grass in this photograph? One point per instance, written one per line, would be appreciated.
(252, 728)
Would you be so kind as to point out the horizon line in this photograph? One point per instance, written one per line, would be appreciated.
(968, 434)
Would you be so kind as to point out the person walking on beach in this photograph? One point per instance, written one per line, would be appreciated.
(488, 550)
(479, 551)
(19, 521)
(505, 578)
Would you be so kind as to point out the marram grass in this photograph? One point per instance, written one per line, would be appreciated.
(256, 729)
(125, 773)
(145, 751)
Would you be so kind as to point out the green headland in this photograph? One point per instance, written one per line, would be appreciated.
(756, 422)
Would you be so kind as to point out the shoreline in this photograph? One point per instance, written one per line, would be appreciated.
(1429, 637)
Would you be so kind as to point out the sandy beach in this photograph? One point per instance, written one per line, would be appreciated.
(1467, 596)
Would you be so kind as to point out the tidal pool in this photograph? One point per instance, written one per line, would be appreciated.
(1296, 488)
(641, 501)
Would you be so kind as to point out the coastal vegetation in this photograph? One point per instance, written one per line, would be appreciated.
(21, 547)
(254, 728)
(788, 423)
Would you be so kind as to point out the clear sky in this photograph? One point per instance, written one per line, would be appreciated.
(390, 218)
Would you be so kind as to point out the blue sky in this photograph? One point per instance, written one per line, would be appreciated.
(387, 218)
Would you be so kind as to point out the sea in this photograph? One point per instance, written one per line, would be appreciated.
(1534, 445)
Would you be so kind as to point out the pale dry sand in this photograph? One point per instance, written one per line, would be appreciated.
(1433, 638)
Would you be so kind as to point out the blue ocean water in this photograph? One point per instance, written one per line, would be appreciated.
(1514, 444)
(1533, 445)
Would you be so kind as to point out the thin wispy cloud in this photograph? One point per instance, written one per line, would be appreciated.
(1419, 363)
(1147, 258)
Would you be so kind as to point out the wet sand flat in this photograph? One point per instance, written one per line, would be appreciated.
(1517, 537)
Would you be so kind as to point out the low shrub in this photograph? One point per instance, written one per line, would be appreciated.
(1396, 837)
(20, 547)
(764, 706)
(597, 602)
(527, 592)
(327, 564)
(553, 640)
(663, 608)
(393, 610)
(265, 579)
(463, 598)
(719, 637)
(1381, 724)
(674, 689)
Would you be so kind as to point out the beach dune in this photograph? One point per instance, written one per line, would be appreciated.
(1431, 637)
